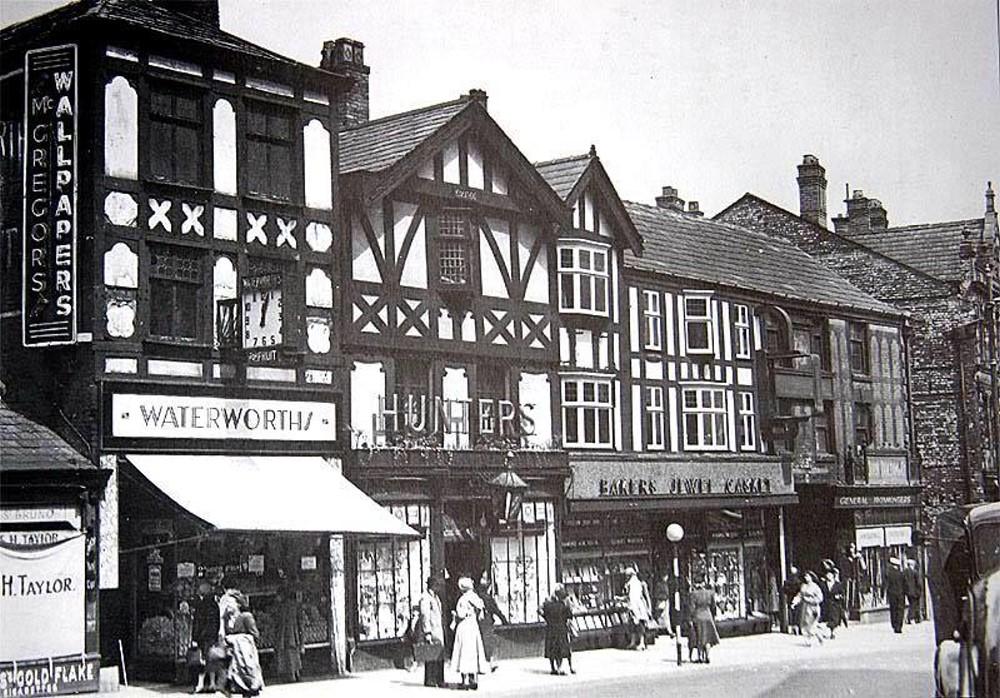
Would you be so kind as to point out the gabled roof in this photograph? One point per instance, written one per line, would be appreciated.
(569, 176)
(563, 174)
(141, 14)
(26, 445)
(703, 250)
(824, 233)
(392, 148)
(930, 247)
(381, 143)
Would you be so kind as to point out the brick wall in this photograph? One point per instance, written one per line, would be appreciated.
(946, 426)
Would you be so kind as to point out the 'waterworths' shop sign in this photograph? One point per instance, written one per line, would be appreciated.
(192, 417)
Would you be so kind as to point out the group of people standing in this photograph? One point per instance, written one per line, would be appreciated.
(224, 638)
(473, 639)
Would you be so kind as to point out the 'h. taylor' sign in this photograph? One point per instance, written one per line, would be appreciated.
(50, 170)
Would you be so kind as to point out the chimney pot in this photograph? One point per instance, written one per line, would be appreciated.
(670, 200)
(477, 95)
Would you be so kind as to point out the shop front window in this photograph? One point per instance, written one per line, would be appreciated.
(391, 575)
(523, 563)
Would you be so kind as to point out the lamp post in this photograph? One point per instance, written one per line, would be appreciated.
(675, 532)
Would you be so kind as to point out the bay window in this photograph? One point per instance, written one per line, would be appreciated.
(587, 412)
(652, 321)
(698, 326)
(705, 419)
(583, 279)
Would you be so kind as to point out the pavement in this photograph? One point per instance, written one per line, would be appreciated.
(864, 660)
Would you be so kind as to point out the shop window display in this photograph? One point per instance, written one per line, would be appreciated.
(523, 562)
(872, 582)
(390, 577)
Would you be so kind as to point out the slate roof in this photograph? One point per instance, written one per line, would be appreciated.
(381, 143)
(717, 253)
(563, 174)
(929, 247)
(144, 14)
(27, 445)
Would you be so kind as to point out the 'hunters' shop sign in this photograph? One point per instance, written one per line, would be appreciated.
(50, 175)
(192, 417)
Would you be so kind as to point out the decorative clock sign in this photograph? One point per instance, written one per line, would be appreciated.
(263, 319)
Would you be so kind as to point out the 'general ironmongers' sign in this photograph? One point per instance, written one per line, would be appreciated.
(194, 417)
(50, 171)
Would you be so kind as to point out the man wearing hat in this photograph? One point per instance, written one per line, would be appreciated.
(895, 594)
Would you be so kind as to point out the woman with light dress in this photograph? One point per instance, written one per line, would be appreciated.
(468, 656)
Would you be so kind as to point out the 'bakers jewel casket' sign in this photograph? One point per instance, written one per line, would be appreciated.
(191, 417)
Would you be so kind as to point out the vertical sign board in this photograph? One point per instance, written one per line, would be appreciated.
(50, 171)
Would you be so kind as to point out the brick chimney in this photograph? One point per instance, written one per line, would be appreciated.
(694, 209)
(669, 200)
(347, 57)
(812, 190)
(205, 10)
(864, 216)
(478, 96)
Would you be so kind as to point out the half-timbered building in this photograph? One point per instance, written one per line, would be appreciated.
(451, 343)
(168, 301)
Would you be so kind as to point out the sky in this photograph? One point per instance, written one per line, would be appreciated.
(899, 98)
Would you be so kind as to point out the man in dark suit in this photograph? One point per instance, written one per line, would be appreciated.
(895, 594)
(911, 577)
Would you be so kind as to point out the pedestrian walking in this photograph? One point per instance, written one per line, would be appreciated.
(704, 633)
(205, 630)
(832, 609)
(242, 637)
(491, 614)
(431, 650)
(852, 568)
(557, 615)
(809, 600)
(637, 599)
(914, 590)
(790, 589)
(663, 598)
(895, 594)
(468, 657)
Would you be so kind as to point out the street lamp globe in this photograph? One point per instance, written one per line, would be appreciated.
(675, 532)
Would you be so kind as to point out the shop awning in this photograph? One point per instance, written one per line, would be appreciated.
(265, 493)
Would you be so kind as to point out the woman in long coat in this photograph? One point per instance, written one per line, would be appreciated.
(557, 615)
(289, 644)
(833, 603)
(808, 601)
(468, 656)
(704, 633)
(242, 637)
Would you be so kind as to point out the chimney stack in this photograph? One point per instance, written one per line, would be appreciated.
(864, 216)
(812, 190)
(669, 200)
(694, 209)
(347, 57)
(477, 95)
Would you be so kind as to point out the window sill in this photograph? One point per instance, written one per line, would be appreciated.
(264, 199)
(185, 186)
(178, 342)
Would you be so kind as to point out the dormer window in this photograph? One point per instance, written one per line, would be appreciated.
(454, 253)
(698, 326)
(583, 279)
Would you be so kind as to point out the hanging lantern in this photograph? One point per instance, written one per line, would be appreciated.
(507, 492)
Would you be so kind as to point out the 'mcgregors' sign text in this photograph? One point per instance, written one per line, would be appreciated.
(192, 417)
(50, 175)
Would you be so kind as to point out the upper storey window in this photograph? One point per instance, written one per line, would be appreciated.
(583, 279)
(454, 249)
(698, 326)
(176, 138)
(652, 320)
(858, 347)
(743, 345)
(269, 146)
